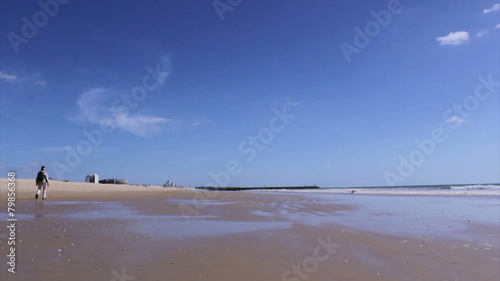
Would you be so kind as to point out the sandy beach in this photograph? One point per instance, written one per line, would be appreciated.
(113, 232)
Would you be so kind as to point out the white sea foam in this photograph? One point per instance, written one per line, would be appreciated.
(471, 190)
(476, 187)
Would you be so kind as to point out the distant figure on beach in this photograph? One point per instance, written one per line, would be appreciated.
(42, 181)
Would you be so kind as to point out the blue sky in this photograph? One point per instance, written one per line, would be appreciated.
(334, 93)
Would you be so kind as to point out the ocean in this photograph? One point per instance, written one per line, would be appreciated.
(490, 189)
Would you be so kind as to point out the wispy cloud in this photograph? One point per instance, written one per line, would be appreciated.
(497, 26)
(8, 77)
(482, 33)
(140, 125)
(99, 105)
(166, 66)
(454, 38)
(494, 8)
(193, 125)
(288, 101)
(198, 123)
(199, 159)
(455, 119)
(34, 166)
(35, 78)
(92, 108)
(91, 105)
(56, 148)
(28, 169)
(42, 83)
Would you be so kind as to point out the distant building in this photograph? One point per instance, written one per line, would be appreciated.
(94, 178)
(169, 184)
(113, 181)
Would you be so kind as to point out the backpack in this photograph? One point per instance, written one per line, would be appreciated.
(40, 177)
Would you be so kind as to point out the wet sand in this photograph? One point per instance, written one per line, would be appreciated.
(103, 232)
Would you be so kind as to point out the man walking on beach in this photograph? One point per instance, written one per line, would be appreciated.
(42, 181)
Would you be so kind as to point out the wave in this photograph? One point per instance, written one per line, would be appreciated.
(472, 189)
(476, 187)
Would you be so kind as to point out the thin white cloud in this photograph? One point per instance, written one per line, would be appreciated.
(160, 151)
(454, 38)
(56, 148)
(140, 125)
(494, 8)
(197, 123)
(95, 106)
(35, 79)
(290, 102)
(481, 33)
(42, 83)
(455, 119)
(90, 106)
(28, 171)
(93, 109)
(199, 159)
(166, 66)
(8, 77)
(497, 26)
(30, 168)
(194, 125)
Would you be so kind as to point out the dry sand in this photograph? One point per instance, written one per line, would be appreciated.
(112, 232)
(58, 190)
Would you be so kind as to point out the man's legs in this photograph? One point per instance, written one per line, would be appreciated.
(40, 186)
(44, 191)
